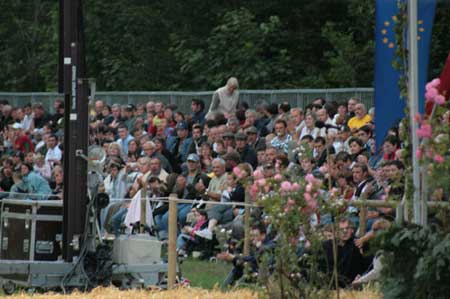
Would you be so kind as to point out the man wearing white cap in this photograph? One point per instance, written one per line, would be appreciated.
(21, 141)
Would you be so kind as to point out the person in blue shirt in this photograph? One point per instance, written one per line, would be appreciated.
(35, 183)
(178, 145)
(124, 138)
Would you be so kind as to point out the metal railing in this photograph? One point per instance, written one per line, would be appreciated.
(296, 97)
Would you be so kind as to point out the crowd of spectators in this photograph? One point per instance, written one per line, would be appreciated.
(193, 155)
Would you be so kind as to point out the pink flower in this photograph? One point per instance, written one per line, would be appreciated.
(258, 174)
(309, 187)
(439, 159)
(436, 82)
(310, 178)
(287, 208)
(431, 94)
(254, 190)
(383, 197)
(267, 188)
(291, 202)
(307, 196)
(439, 99)
(286, 186)
(428, 86)
(312, 204)
(278, 177)
(418, 118)
(424, 131)
(419, 153)
(262, 182)
(295, 187)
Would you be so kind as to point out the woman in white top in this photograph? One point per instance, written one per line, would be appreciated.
(310, 126)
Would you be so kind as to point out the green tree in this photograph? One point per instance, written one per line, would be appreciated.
(239, 46)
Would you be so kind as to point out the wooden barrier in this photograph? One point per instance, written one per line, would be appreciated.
(172, 250)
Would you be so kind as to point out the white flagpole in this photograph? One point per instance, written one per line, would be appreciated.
(413, 101)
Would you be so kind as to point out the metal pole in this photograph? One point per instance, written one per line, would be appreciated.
(413, 100)
(247, 225)
(172, 253)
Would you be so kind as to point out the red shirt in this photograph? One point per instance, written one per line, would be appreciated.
(24, 144)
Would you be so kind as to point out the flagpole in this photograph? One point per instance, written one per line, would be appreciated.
(413, 101)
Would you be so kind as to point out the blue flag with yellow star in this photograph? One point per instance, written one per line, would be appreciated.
(389, 107)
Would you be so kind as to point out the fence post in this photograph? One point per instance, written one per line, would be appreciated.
(172, 252)
(143, 215)
(247, 225)
(399, 213)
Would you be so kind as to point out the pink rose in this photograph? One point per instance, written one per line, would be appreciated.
(312, 204)
(425, 131)
(278, 177)
(307, 196)
(291, 202)
(428, 86)
(436, 82)
(310, 178)
(431, 94)
(295, 187)
(309, 187)
(419, 153)
(286, 186)
(287, 208)
(254, 190)
(439, 99)
(439, 159)
(262, 182)
(258, 174)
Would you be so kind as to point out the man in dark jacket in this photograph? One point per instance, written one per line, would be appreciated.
(246, 152)
(350, 261)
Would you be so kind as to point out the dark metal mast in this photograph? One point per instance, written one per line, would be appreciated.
(72, 83)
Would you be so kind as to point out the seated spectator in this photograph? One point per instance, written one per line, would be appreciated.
(42, 167)
(35, 183)
(187, 234)
(178, 145)
(21, 141)
(246, 152)
(350, 261)
(281, 141)
(19, 190)
(221, 214)
(57, 184)
(310, 126)
(360, 119)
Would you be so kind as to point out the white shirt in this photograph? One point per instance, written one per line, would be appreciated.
(53, 154)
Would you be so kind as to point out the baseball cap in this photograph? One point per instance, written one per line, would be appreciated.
(228, 135)
(240, 136)
(17, 126)
(182, 125)
(193, 158)
(252, 130)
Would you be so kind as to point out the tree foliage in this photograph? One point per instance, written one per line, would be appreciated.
(196, 45)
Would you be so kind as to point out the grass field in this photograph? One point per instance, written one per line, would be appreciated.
(204, 274)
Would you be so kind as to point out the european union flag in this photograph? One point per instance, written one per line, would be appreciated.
(389, 107)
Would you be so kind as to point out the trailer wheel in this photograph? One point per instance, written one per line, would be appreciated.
(9, 288)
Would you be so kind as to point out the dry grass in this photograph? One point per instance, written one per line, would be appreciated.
(112, 293)
(185, 293)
